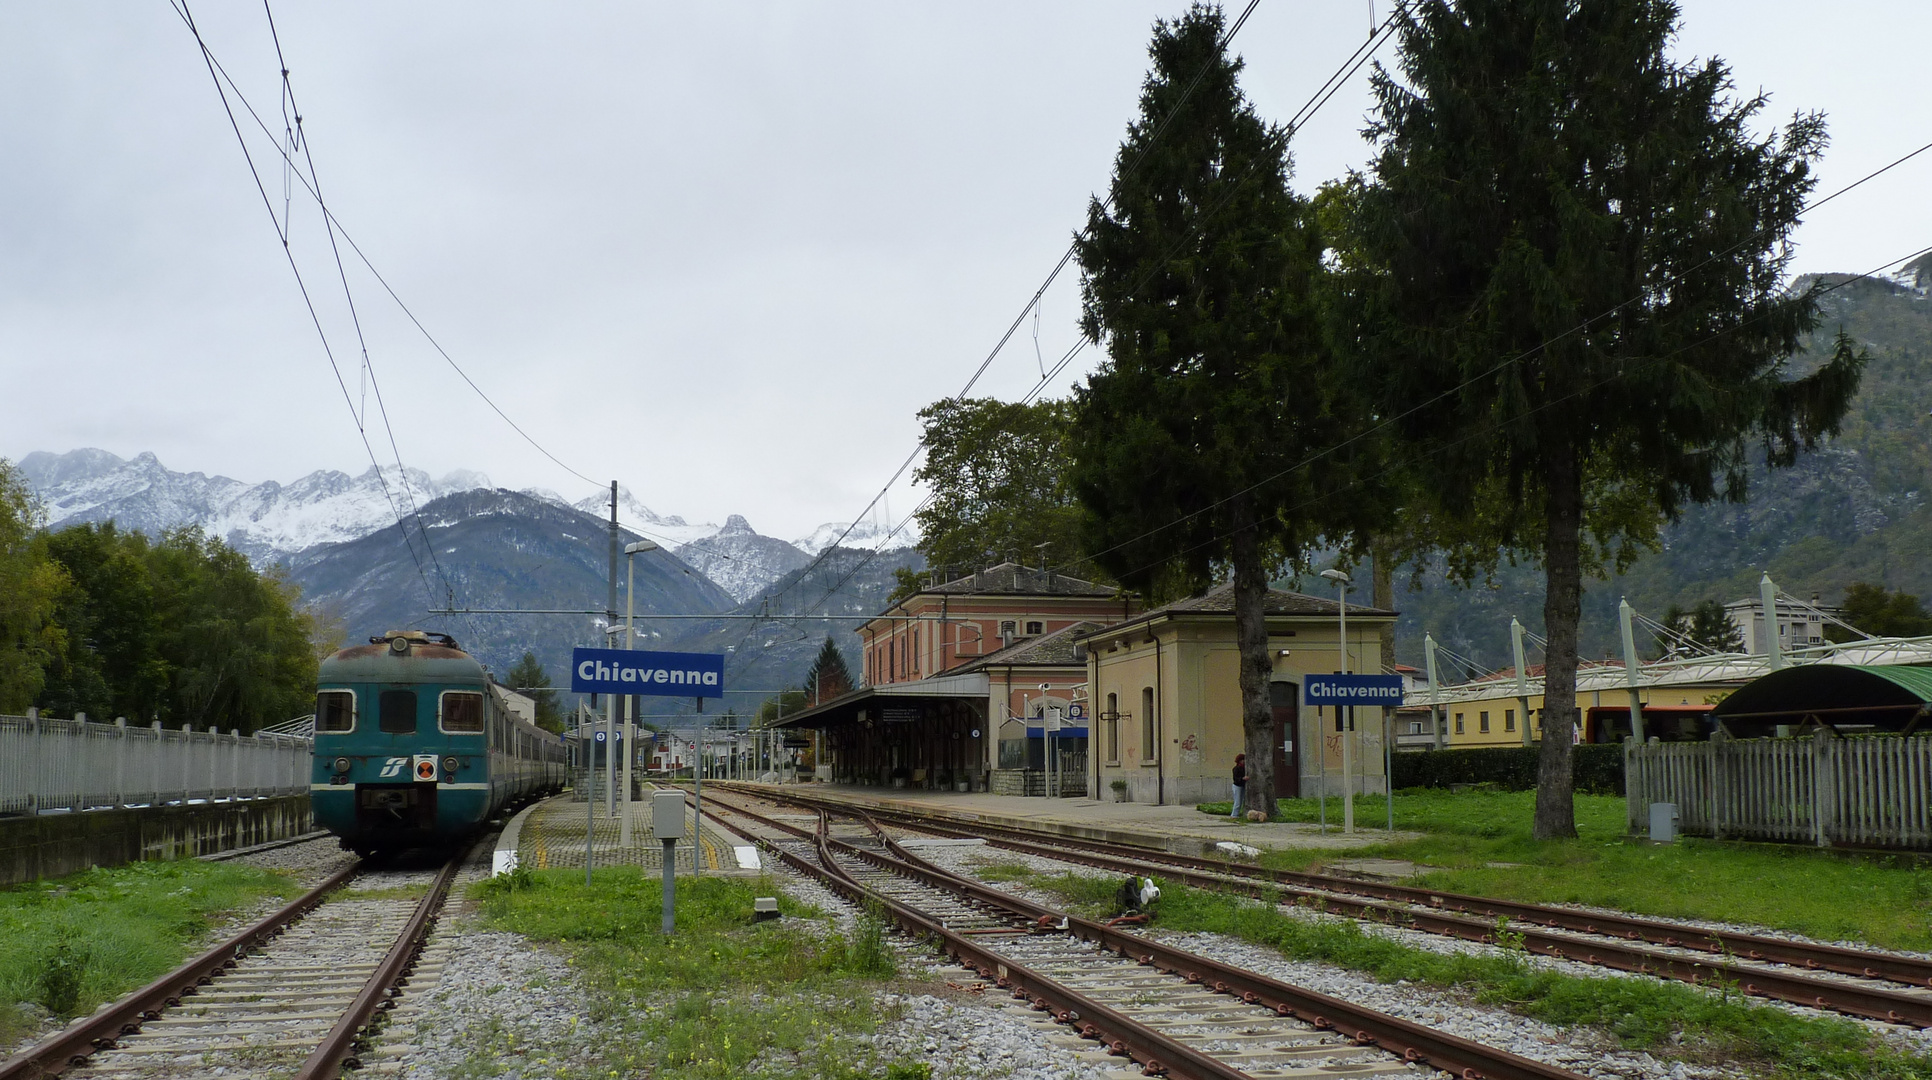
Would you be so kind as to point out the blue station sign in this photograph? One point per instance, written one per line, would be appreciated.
(1384, 690)
(656, 674)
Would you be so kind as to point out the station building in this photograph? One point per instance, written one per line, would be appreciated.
(1167, 699)
(961, 681)
(1012, 678)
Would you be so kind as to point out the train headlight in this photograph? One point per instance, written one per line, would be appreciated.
(341, 764)
(449, 764)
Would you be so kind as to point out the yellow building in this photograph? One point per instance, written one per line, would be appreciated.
(1165, 696)
(1490, 712)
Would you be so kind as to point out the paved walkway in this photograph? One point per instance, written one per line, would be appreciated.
(551, 834)
(1181, 829)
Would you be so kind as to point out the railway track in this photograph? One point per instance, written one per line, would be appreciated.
(1855, 982)
(1171, 1012)
(290, 995)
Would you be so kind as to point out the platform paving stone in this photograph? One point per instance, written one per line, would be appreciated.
(553, 836)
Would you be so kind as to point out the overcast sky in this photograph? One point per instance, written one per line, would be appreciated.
(722, 254)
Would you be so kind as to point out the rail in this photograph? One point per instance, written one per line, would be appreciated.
(1429, 910)
(1414, 1043)
(47, 764)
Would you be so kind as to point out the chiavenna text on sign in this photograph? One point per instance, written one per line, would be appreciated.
(620, 671)
(1353, 690)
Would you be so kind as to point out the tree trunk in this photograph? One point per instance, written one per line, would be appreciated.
(1251, 638)
(1382, 595)
(1562, 609)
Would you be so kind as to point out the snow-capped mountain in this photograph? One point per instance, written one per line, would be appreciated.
(270, 521)
(865, 534)
(740, 560)
(633, 514)
(260, 520)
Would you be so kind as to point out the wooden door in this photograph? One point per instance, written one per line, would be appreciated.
(1285, 699)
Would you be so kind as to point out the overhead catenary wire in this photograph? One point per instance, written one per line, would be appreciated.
(1482, 430)
(1033, 301)
(370, 265)
(355, 317)
(1499, 366)
(181, 9)
(1322, 95)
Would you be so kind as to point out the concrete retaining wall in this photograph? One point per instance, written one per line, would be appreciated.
(53, 845)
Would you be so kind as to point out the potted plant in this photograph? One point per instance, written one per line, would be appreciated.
(1120, 790)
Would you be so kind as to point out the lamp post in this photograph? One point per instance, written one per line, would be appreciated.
(630, 642)
(1342, 582)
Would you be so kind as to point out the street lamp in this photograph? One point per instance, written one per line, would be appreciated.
(630, 637)
(1342, 582)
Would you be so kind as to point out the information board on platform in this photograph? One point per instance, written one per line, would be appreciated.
(1383, 690)
(655, 674)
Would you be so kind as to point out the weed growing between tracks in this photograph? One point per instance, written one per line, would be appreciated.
(1666, 1019)
(1480, 841)
(75, 942)
(723, 997)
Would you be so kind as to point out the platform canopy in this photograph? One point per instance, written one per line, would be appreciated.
(892, 701)
(1889, 697)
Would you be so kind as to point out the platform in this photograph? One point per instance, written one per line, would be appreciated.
(1180, 829)
(550, 834)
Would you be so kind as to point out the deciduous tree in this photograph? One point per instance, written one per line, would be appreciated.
(997, 473)
(30, 587)
(1569, 263)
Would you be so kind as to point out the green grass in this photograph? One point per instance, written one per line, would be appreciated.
(75, 942)
(1881, 900)
(723, 997)
(1670, 1020)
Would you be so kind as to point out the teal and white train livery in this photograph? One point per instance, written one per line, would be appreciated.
(414, 745)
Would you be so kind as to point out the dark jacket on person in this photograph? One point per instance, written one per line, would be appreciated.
(1241, 775)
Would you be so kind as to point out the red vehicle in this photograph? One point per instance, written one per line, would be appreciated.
(1665, 723)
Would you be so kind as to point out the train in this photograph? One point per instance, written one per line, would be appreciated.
(415, 746)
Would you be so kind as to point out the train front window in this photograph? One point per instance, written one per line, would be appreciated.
(398, 712)
(462, 712)
(335, 711)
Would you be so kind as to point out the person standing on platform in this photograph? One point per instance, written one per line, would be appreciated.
(1240, 783)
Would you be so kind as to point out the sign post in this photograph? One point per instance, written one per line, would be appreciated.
(1348, 691)
(650, 674)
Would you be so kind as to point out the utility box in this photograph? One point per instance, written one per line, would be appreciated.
(764, 908)
(667, 814)
(1663, 823)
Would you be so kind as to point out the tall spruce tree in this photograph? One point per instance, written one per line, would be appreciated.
(528, 674)
(1569, 276)
(1198, 282)
(828, 676)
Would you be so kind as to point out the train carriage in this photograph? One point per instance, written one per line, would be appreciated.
(415, 745)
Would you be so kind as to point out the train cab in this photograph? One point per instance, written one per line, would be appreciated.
(412, 748)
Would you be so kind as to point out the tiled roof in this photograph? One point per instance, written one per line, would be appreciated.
(1012, 579)
(1220, 601)
(1058, 647)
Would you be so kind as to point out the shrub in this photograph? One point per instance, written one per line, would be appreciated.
(61, 975)
(1597, 769)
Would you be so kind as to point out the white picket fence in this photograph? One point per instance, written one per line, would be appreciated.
(50, 765)
(1862, 791)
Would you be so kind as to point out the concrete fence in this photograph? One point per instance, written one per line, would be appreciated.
(1863, 791)
(53, 765)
